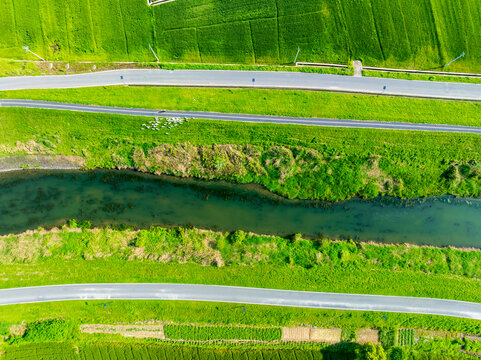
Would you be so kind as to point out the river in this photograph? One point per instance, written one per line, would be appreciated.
(48, 198)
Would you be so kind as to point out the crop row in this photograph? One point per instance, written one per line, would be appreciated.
(56, 351)
(405, 337)
(203, 333)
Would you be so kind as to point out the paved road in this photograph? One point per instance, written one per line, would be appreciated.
(242, 117)
(242, 295)
(249, 79)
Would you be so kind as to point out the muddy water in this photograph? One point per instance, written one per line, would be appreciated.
(29, 199)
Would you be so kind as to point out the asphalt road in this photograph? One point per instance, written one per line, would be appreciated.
(241, 295)
(242, 117)
(249, 79)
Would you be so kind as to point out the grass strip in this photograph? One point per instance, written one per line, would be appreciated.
(425, 77)
(268, 102)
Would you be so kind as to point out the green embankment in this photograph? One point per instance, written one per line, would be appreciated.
(294, 161)
(422, 34)
(206, 257)
(268, 102)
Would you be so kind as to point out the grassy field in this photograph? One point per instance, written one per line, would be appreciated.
(423, 34)
(268, 102)
(294, 161)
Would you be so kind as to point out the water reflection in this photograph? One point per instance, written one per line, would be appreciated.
(29, 199)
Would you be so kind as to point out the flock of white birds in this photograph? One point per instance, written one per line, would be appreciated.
(168, 123)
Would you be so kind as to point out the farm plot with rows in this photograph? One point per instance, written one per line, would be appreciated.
(203, 333)
(421, 34)
(54, 351)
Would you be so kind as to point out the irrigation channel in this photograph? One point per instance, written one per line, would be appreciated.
(48, 198)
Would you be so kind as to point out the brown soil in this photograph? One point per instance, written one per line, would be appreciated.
(133, 331)
(18, 162)
(367, 336)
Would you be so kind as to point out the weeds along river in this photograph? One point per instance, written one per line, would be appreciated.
(29, 199)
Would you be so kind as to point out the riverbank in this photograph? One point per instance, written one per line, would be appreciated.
(189, 255)
(293, 161)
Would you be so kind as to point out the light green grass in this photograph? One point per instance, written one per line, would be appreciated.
(268, 102)
(425, 77)
(422, 34)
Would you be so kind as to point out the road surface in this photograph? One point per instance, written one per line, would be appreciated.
(249, 79)
(242, 117)
(241, 295)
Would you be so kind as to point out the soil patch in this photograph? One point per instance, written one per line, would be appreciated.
(133, 331)
(19, 162)
(364, 336)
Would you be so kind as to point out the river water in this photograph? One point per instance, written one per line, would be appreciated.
(29, 199)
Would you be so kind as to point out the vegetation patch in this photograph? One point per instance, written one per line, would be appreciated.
(207, 333)
(296, 103)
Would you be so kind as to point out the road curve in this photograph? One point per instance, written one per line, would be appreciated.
(249, 79)
(367, 124)
(243, 295)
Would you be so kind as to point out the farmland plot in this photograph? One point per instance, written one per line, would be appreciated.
(423, 34)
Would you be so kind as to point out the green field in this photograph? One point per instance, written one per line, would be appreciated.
(58, 351)
(421, 34)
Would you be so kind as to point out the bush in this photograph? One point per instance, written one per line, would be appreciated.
(370, 352)
(46, 330)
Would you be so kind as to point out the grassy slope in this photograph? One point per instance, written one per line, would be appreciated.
(345, 161)
(268, 102)
(422, 34)
(237, 259)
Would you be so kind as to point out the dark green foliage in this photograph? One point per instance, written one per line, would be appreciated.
(46, 330)
(387, 337)
(397, 353)
(203, 333)
(370, 352)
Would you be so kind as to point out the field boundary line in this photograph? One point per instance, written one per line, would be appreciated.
(158, 2)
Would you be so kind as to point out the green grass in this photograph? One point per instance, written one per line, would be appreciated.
(410, 76)
(204, 333)
(294, 161)
(422, 34)
(269, 102)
